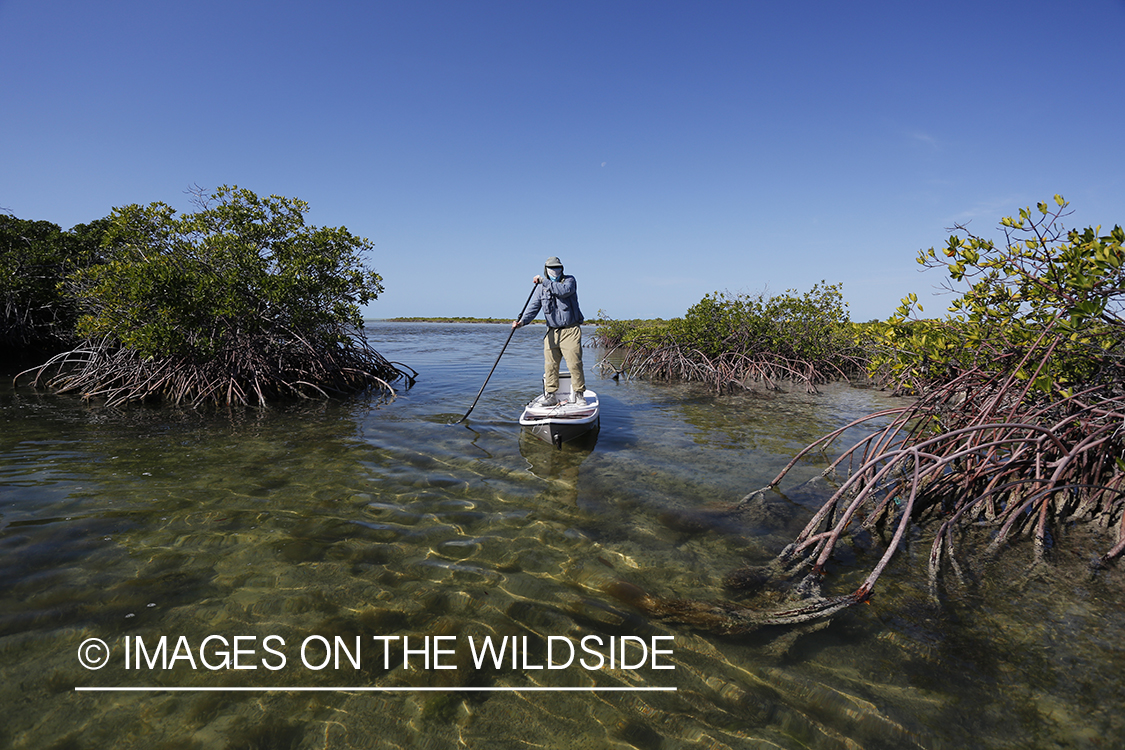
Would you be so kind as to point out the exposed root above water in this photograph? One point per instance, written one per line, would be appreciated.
(1018, 427)
(256, 372)
(950, 463)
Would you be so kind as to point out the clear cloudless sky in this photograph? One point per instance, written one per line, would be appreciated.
(663, 150)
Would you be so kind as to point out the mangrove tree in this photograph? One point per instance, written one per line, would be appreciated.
(35, 258)
(239, 302)
(731, 340)
(1015, 426)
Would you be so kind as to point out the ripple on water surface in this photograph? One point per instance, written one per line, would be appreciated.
(373, 519)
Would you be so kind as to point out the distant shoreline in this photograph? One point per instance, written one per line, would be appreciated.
(458, 320)
(445, 320)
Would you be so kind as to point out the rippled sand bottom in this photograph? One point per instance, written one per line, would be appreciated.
(386, 522)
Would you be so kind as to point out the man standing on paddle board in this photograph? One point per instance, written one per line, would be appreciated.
(557, 295)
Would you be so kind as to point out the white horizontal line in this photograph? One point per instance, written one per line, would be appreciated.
(371, 689)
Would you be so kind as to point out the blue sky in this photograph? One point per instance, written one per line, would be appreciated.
(663, 150)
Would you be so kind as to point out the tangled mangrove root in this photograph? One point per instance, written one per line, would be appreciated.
(1017, 430)
(255, 372)
(971, 455)
(976, 455)
(727, 372)
(965, 457)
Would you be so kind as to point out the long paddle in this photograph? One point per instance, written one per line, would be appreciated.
(470, 411)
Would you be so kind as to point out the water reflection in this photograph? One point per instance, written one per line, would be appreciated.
(557, 464)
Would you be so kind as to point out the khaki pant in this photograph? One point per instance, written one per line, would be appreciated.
(557, 344)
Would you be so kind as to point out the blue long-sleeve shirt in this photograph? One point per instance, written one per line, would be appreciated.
(559, 302)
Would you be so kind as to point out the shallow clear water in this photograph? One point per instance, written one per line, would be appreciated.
(384, 520)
